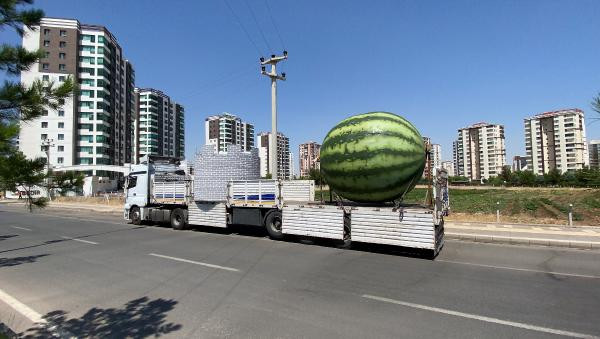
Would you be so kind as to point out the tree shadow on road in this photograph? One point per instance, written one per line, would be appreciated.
(8, 262)
(48, 242)
(139, 318)
(8, 236)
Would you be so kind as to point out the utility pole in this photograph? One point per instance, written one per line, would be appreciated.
(273, 158)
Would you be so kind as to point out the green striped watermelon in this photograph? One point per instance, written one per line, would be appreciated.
(373, 157)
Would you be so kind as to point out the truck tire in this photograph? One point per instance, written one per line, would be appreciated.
(178, 219)
(135, 215)
(273, 223)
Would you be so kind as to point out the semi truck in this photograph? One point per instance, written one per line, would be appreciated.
(163, 193)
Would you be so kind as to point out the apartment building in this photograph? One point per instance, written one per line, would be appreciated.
(308, 155)
(94, 127)
(160, 125)
(449, 167)
(556, 140)
(480, 151)
(594, 150)
(226, 129)
(283, 154)
(456, 157)
(519, 163)
(436, 155)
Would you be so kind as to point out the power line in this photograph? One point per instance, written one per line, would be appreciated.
(257, 25)
(243, 27)
(216, 84)
(274, 24)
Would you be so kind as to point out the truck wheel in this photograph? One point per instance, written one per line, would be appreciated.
(135, 215)
(273, 223)
(178, 219)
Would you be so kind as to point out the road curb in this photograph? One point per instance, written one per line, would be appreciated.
(470, 223)
(523, 240)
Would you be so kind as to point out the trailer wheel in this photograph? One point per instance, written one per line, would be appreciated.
(273, 223)
(178, 219)
(135, 215)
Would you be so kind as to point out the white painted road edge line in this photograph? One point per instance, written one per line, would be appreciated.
(520, 269)
(21, 228)
(80, 240)
(481, 318)
(22, 308)
(195, 262)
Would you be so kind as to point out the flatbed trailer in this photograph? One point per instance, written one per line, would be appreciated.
(289, 208)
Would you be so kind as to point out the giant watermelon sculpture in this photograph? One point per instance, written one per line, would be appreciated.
(373, 157)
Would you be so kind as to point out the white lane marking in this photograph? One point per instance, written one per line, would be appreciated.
(521, 269)
(195, 262)
(481, 318)
(80, 240)
(22, 228)
(21, 308)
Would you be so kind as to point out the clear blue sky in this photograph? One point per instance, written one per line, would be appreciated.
(441, 64)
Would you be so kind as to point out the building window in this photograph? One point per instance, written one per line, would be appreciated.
(46, 31)
(61, 78)
(45, 77)
(45, 112)
(62, 44)
(61, 125)
(61, 113)
(46, 43)
(88, 38)
(46, 54)
(61, 148)
(44, 124)
(62, 67)
(62, 55)
(63, 32)
(60, 160)
(61, 137)
(45, 66)
(44, 136)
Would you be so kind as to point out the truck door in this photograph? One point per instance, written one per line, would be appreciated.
(137, 188)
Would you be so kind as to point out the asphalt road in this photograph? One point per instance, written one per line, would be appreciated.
(93, 275)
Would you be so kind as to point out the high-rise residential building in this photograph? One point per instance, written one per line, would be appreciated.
(519, 163)
(94, 127)
(594, 149)
(480, 151)
(292, 169)
(436, 155)
(449, 167)
(160, 125)
(556, 140)
(226, 129)
(456, 156)
(308, 154)
(283, 154)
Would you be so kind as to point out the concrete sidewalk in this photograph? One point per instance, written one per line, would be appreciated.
(587, 237)
(112, 209)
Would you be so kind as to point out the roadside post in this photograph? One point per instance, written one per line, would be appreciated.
(497, 212)
(570, 214)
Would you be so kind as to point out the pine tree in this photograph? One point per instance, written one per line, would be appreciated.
(20, 103)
